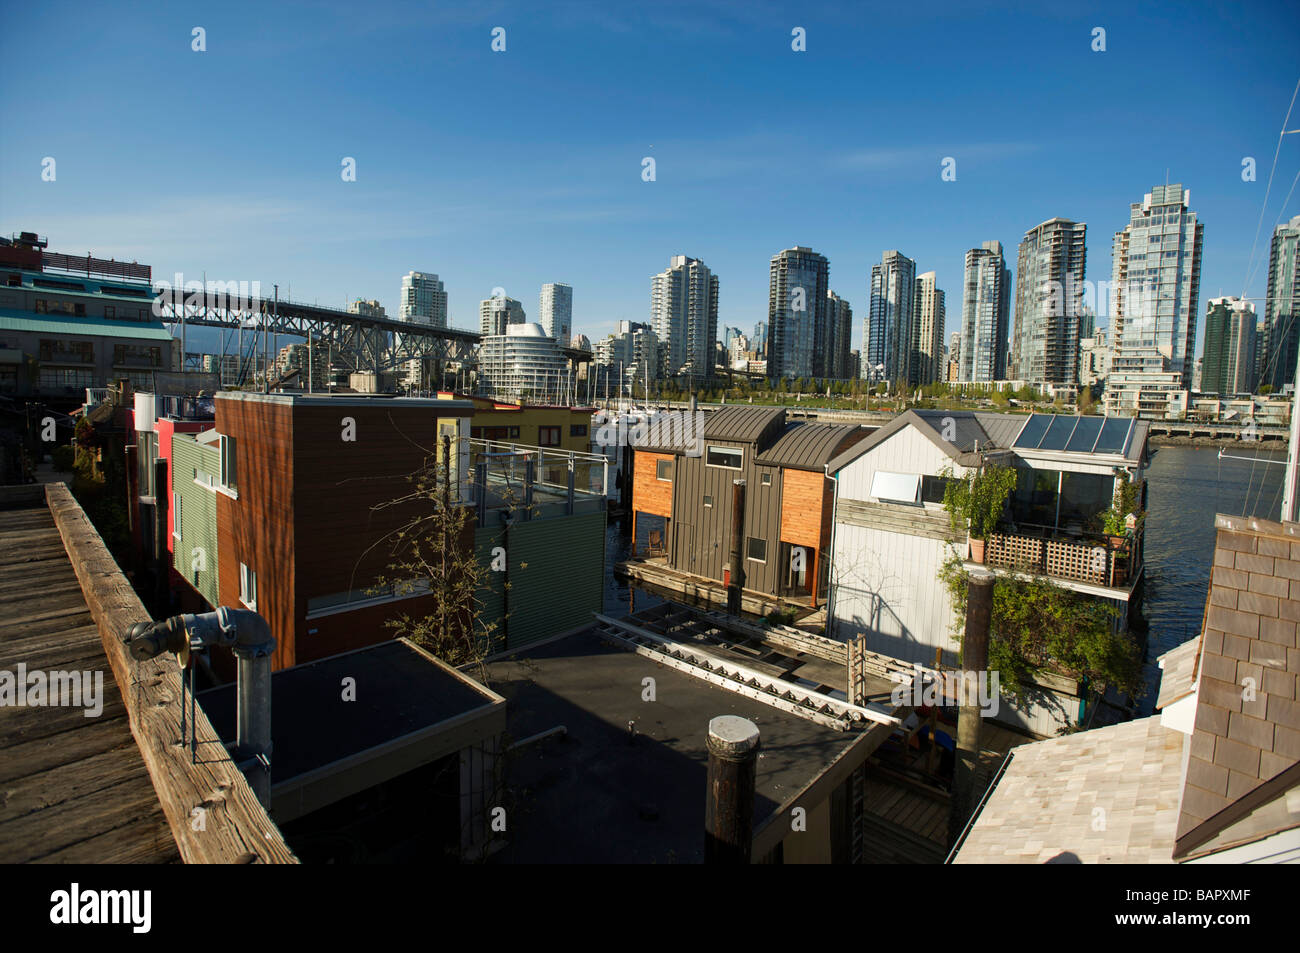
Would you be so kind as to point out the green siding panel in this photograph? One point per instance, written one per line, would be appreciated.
(196, 552)
(557, 576)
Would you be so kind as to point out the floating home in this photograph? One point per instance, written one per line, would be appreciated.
(892, 535)
(683, 486)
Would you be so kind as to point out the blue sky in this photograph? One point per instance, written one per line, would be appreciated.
(515, 168)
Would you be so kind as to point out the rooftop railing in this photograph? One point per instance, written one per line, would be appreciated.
(534, 482)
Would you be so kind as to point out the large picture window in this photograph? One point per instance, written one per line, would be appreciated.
(728, 458)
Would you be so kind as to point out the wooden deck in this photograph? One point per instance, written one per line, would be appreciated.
(906, 822)
(72, 789)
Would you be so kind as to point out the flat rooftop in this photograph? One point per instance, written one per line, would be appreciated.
(76, 789)
(601, 795)
(405, 701)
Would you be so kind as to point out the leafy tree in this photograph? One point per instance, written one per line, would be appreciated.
(977, 501)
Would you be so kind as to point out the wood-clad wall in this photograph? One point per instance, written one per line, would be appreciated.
(649, 493)
(257, 529)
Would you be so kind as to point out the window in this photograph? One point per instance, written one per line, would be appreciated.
(727, 457)
(548, 436)
(757, 550)
(110, 311)
(229, 470)
(176, 515)
(663, 469)
(933, 488)
(896, 487)
(708, 501)
(578, 430)
(767, 479)
(247, 586)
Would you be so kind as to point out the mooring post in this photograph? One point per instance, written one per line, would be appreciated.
(729, 808)
(974, 675)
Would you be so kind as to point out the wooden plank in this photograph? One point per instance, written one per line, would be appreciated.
(66, 782)
(41, 754)
(32, 836)
(237, 828)
(146, 841)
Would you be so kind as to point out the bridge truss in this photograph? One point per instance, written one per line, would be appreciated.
(359, 342)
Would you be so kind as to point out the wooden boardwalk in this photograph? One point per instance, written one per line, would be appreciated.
(72, 789)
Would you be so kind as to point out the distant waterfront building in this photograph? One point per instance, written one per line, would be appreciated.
(497, 314)
(1094, 358)
(840, 364)
(580, 342)
(954, 346)
(424, 300)
(556, 311)
(522, 361)
(312, 364)
(684, 315)
(634, 347)
(980, 347)
(1230, 347)
(929, 317)
(888, 334)
(759, 339)
(1049, 294)
(1156, 277)
(1282, 308)
(370, 308)
(798, 285)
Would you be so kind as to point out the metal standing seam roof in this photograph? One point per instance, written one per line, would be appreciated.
(809, 446)
(680, 431)
(13, 319)
(740, 423)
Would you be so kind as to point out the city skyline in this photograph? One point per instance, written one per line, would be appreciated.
(575, 203)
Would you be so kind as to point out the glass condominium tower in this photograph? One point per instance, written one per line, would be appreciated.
(930, 315)
(424, 300)
(1049, 296)
(684, 316)
(556, 312)
(798, 286)
(981, 350)
(889, 337)
(1277, 358)
(1155, 290)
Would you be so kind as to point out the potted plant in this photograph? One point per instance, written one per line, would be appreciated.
(975, 503)
(1125, 514)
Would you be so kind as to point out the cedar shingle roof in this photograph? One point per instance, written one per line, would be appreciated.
(1242, 753)
(1247, 727)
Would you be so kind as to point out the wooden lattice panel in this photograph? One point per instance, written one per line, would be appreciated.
(1083, 561)
(1015, 552)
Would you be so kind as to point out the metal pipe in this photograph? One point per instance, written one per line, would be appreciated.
(736, 576)
(247, 634)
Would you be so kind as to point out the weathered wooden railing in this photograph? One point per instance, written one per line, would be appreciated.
(213, 814)
(1098, 561)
